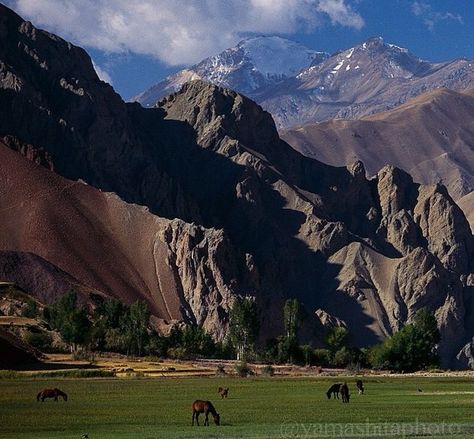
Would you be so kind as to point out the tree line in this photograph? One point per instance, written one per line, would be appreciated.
(116, 327)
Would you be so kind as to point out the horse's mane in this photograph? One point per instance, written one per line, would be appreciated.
(211, 408)
(59, 392)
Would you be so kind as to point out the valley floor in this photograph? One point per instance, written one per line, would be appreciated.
(257, 407)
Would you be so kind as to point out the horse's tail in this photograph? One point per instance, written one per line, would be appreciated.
(38, 396)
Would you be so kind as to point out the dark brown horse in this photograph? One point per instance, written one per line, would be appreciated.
(360, 387)
(344, 389)
(51, 393)
(224, 392)
(205, 407)
(334, 390)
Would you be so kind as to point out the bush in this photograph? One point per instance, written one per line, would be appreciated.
(220, 371)
(30, 310)
(40, 340)
(342, 357)
(242, 369)
(177, 353)
(84, 355)
(322, 357)
(267, 371)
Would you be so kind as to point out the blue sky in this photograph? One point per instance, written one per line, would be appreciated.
(136, 43)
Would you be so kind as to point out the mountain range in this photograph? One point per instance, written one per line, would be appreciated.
(197, 200)
(371, 77)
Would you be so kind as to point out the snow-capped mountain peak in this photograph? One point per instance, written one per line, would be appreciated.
(253, 63)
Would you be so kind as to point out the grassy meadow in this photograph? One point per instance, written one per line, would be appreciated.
(257, 407)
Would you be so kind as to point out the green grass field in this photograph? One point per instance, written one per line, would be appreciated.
(256, 407)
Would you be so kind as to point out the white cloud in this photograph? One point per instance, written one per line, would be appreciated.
(179, 31)
(340, 13)
(430, 16)
(101, 73)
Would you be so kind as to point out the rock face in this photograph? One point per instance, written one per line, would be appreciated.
(225, 208)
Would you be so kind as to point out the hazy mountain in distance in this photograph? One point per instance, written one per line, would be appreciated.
(365, 79)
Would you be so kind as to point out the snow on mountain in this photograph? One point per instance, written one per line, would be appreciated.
(254, 63)
(299, 85)
(368, 78)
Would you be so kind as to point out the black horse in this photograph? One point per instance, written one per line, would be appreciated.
(360, 387)
(334, 390)
(344, 389)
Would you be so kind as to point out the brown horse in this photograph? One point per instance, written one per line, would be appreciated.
(360, 387)
(224, 392)
(344, 389)
(51, 393)
(205, 407)
(334, 390)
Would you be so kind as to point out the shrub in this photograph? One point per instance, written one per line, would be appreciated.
(342, 357)
(268, 370)
(220, 371)
(40, 340)
(322, 357)
(30, 310)
(242, 369)
(177, 353)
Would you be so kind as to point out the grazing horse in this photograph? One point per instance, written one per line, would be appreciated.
(205, 407)
(344, 389)
(334, 389)
(224, 392)
(360, 387)
(51, 393)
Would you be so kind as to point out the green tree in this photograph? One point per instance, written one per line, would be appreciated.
(289, 349)
(70, 319)
(412, 348)
(75, 327)
(135, 326)
(292, 318)
(337, 338)
(244, 325)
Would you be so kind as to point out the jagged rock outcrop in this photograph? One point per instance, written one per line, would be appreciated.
(224, 207)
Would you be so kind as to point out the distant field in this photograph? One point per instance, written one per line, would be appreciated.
(257, 407)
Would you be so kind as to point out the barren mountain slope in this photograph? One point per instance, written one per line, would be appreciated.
(431, 137)
(111, 246)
